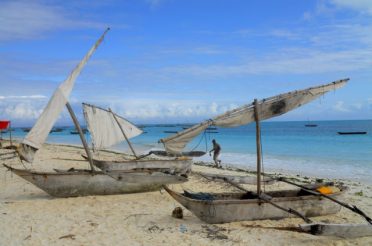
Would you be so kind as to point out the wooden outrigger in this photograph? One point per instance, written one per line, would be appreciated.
(107, 128)
(175, 166)
(247, 205)
(70, 183)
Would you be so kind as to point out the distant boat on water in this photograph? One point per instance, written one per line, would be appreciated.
(311, 125)
(56, 130)
(170, 131)
(211, 128)
(74, 132)
(352, 133)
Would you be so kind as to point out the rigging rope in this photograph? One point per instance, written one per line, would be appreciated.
(204, 134)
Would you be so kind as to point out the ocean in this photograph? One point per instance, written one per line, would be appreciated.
(288, 147)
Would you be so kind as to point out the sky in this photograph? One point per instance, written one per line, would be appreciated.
(178, 61)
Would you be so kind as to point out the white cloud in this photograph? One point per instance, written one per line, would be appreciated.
(341, 107)
(143, 109)
(24, 111)
(363, 6)
(32, 19)
(359, 108)
(22, 107)
(23, 97)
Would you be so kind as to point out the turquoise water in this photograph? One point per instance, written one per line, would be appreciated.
(287, 146)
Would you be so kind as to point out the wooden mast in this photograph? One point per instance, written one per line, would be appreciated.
(10, 133)
(258, 146)
(81, 134)
(122, 131)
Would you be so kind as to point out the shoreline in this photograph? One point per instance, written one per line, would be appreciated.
(31, 217)
(286, 172)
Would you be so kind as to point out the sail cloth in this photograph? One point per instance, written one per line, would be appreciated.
(39, 132)
(104, 128)
(266, 108)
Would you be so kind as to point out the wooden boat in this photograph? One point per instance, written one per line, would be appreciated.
(175, 166)
(107, 128)
(229, 207)
(352, 133)
(86, 183)
(305, 202)
(235, 178)
(81, 182)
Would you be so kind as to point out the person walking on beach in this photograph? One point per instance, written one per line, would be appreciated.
(216, 152)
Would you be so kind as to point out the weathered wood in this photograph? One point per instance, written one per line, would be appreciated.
(175, 166)
(268, 199)
(243, 206)
(81, 134)
(258, 146)
(87, 183)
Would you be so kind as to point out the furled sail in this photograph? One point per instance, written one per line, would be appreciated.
(267, 108)
(104, 128)
(39, 132)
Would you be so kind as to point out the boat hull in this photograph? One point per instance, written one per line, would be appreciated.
(85, 183)
(176, 166)
(233, 208)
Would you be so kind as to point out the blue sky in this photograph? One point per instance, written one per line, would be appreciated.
(185, 61)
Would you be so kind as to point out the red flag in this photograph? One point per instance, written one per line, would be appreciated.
(4, 124)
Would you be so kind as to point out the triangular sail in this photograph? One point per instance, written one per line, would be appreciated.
(39, 132)
(267, 108)
(104, 128)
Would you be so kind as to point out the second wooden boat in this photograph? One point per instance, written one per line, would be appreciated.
(229, 207)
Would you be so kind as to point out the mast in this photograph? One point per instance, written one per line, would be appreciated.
(81, 134)
(258, 146)
(10, 133)
(122, 131)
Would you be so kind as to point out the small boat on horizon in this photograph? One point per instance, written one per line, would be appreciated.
(75, 132)
(352, 133)
(311, 125)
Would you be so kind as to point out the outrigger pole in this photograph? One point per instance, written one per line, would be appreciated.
(122, 131)
(81, 134)
(353, 208)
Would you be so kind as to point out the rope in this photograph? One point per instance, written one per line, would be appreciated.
(201, 138)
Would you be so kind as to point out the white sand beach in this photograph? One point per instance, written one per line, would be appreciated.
(29, 216)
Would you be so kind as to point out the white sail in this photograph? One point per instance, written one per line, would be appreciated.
(104, 129)
(39, 132)
(267, 108)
